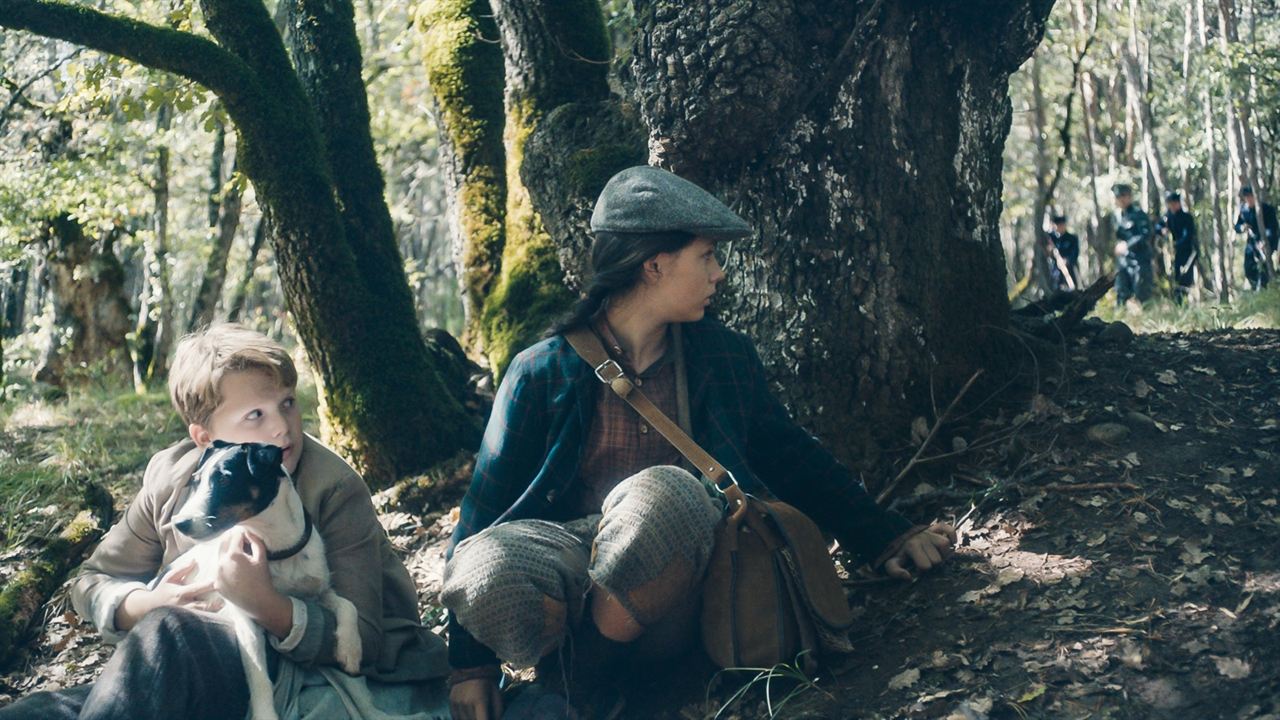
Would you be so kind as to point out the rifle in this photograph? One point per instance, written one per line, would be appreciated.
(1059, 261)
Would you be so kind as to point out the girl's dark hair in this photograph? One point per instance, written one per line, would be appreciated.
(617, 261)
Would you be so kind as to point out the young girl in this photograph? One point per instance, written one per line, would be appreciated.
(581, 520)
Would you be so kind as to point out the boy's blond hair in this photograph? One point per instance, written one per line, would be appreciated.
(203, 357)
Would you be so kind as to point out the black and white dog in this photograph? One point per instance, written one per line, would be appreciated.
(247, 485)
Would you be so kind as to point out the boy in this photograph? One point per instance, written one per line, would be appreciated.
(230, 383)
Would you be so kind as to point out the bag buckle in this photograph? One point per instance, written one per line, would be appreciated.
(609, 366)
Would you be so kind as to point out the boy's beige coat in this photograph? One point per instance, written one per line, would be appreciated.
(365, 569)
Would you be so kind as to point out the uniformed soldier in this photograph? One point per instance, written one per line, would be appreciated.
(1178, 224)
(1133, 248)
(1063, 250)
(1256, 247)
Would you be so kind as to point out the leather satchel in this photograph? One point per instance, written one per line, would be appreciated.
(771, 594)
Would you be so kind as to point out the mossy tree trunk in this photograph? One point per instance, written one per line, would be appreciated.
(463, 65)
(385, 404)
(556, 56)
(867, 154)
(86, 283)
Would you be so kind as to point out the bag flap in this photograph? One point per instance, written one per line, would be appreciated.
(819, 583)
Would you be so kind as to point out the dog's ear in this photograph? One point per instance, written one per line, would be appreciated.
(217, 444)
(204, 456)
(264, 460)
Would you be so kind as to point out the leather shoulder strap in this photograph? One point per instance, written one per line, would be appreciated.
(609, 372)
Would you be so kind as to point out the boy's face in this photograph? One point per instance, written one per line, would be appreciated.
(254, 408)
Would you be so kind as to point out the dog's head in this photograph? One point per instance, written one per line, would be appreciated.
(232, 482)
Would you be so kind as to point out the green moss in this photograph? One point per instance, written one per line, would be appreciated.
(464, 67)
(590, 168)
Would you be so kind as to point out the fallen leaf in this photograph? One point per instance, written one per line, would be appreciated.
(1089, 373)
(1009, 575)
(1168, 377)
(1206, 370)
(1141, 388)
(904, 679)
(1032, 694)
(1232, 668)
(1248, 472)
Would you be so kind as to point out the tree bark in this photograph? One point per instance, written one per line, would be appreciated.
(878, 269)
(384, 404)
(464, 68)
(1221, 266)
(87, 289)
(554, 53)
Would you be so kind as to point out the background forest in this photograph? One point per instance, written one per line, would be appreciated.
(400, 193)
(1166, 96)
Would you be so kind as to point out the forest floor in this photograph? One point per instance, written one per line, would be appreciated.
(1117, 560)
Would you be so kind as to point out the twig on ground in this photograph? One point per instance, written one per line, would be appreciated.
(1085, 487)
(915, 459)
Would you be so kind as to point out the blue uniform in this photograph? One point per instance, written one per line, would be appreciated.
(1186, 247)
(1133, 270)
(1255, 259)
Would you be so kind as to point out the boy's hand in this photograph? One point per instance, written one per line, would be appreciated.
(174, 590)
(244, 579)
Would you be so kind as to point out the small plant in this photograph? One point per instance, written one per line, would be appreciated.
(783, 673)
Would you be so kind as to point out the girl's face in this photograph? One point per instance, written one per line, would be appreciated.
(686, 280)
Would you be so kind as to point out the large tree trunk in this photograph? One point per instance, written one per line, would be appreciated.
(87, 288)
(385, 406)
(868, 159)
(464, 69)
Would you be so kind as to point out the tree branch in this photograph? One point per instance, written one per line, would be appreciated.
(181, 53)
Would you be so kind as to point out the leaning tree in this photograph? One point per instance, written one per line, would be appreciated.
(862, 140)
(305, 144)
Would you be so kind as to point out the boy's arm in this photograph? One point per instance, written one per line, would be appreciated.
(128, 557)
(353, 547)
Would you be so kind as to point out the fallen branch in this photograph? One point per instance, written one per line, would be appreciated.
(915, 459)
(1085, 487)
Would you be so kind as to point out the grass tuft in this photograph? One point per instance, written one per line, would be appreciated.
(1248, 310)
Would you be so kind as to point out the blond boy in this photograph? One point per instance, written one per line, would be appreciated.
(232, 384)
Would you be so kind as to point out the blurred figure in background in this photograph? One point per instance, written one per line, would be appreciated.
(1133, 247)
(1257, 247)
(1178, 224)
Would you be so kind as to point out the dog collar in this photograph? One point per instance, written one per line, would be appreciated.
(295, 548)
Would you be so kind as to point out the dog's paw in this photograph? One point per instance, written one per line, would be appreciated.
(347, 650)
(263, 711)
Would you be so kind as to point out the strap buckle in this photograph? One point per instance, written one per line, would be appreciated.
(724, 486)
(609, 366)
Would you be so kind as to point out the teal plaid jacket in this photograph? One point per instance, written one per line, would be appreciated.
(528, 460)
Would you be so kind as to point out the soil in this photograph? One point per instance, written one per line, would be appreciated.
(1125, 571)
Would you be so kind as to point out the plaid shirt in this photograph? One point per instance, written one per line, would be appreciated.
(529, 460)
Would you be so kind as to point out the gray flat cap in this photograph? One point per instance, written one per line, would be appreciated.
(649, 199)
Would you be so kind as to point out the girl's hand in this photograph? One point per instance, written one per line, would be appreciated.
(477, 699)
(924, 550)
